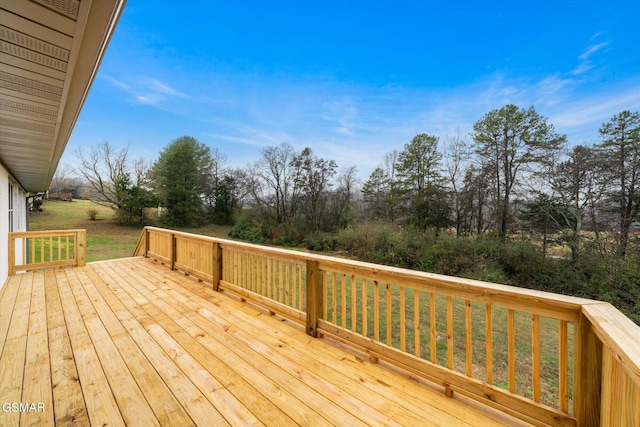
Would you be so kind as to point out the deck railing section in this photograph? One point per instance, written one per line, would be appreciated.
(545, 358)
(37, 250)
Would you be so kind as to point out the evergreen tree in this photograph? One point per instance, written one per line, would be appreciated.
(621, 154)
(508, 139)
(182, 174)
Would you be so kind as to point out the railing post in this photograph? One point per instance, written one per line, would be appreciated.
(217, 265)
(588, 374)
(81, 248)
(146, 242)
(314, 297)
(12, 254)
(173, 251)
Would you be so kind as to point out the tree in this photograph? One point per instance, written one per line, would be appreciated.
(574, 184)
(508, 139)
(546, 215)
(225, 200)
(374, 193)
(620, 151)
(419, 163)
(419, 173)
(183, 174)
(135, 200)
(272, 185)
(108, 172)
(313, 176)
(456, 156)
(343, 197)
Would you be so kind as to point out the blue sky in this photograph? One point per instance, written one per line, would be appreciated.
(354, 79)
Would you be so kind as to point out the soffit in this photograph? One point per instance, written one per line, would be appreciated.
(50, 51)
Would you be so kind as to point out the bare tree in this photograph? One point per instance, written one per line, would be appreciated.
(273, 185)
(456, 156)
(102, 169)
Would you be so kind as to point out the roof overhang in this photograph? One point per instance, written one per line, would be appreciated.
(50, 51)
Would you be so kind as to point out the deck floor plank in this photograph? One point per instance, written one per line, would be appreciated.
(133, 406)
(135, 320)
(164, 404)
(8, 295)
(36, 389)
(409, 394)
(14, 351)
(405, 396)
(98, 398)
(130, 342)
(68, 401)
(199, 407)
(208, 362)
(403, 404)
(370, 408)
(256, 368)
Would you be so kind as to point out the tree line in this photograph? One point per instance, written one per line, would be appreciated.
(512, 174)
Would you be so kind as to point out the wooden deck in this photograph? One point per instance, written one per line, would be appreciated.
(129, 342)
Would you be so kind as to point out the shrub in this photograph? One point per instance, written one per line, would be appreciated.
(249, 230)
(92, 213)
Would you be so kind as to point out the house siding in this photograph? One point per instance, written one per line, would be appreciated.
(13, 217)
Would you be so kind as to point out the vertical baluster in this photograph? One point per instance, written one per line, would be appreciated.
(416, 322)
(42, 248)
(245, 270)
(535, 349)
(50, 248)
(354, 310)
(563, 358)
(33, 251)
(469, 343)
(364, 307)
(67, 246)
(489, 342)
(403, 338)
(59, 248)
(388, 302)
(511, 349)
(289, 284)
(450, 332)
(376, 311)
(294, 284)
(300, 288)
(325, 296)
(343, 299)
(334, 298)
(432, 326)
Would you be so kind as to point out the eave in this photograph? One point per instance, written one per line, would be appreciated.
(50, 52)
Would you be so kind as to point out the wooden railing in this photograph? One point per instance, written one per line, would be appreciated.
(37, 250)
(545, 358)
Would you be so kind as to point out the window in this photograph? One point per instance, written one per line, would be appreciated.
(11, 206)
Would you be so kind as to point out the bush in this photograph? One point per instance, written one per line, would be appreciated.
(247, 229)
(92, 213)
(320, 241)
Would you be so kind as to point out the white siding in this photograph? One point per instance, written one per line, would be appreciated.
(13, 217)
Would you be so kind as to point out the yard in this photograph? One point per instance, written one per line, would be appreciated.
(105, 239)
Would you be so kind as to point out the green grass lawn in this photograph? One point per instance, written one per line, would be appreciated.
(105, 238)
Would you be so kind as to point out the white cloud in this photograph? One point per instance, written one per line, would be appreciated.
(158, 86)
(586, 64)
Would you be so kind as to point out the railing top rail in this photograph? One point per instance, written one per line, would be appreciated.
(528, 300)
(41, 233)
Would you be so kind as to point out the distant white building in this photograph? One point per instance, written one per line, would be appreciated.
(50, 56)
